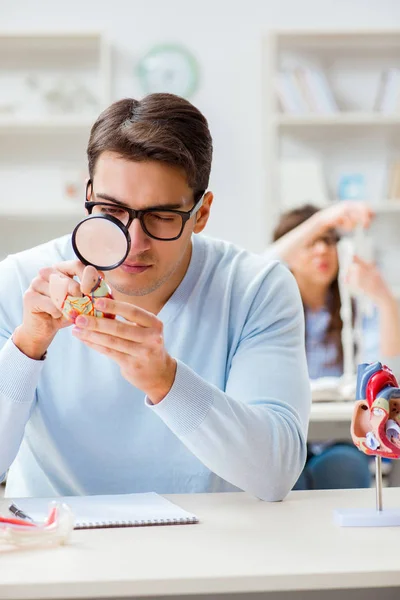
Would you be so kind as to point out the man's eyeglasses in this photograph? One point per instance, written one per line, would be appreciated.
(160, 224)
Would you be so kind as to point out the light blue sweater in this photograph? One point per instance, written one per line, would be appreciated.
(237, 413)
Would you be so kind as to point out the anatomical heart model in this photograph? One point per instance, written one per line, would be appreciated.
(73, 306)
(375, 426)
(375, 430)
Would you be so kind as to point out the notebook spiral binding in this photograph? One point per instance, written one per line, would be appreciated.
(141, 523)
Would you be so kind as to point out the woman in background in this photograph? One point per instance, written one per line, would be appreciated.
(305, 238)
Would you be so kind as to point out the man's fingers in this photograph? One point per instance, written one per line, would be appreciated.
(110, 328)
(70, 268)
(38, 295)
(60, 287)
(119, 357)
(106, 341)
(88, 276)
(45, 272)
(41, 286)
(41, 304)
(47, 306)
(131, 313)
(89, 280)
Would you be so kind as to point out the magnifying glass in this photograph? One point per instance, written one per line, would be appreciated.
(101, 241)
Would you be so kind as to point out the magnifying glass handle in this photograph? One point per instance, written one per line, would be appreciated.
(96, 286)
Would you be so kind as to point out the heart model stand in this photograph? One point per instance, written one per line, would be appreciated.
(375, 431)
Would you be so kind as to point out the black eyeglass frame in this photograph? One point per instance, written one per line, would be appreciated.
(332, 235)
(133, 214)
(140, 214)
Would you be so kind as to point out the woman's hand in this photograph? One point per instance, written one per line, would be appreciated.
(345, 215)
(365, 277)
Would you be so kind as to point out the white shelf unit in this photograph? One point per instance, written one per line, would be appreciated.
(355, 139)
(386, 206)
(343, 119)
(53, 85)
(47, 124)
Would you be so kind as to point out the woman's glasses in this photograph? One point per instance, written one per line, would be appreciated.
(330, 240)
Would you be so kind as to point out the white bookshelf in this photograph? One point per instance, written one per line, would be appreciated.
(53, 85)
(356, 138)
(359, 118)
(386, 206)
(42, 213)
(46, 124)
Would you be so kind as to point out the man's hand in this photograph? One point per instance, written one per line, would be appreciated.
(135, 344)
(41, 318)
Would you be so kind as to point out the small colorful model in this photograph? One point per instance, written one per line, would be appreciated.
(73, 306)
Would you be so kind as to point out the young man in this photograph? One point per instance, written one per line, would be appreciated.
(200, 384)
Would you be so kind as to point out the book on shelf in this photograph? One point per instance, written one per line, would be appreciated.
(393, 192)
(289, 95)
(305, 90)
(387, 98)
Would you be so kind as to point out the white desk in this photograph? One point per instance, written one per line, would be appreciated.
(330, 420)
(242, 545)
(322, 412)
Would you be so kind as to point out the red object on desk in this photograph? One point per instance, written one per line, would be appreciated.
(11, 521)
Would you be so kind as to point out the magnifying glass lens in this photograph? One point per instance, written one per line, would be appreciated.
(101, 242)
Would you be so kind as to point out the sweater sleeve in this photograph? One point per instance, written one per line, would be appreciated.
(253, 433)
(19, 374)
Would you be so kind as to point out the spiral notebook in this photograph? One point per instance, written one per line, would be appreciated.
(121, 510)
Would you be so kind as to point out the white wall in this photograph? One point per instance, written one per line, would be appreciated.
(225, 35)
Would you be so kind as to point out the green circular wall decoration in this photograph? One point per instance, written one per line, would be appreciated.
(169, 68)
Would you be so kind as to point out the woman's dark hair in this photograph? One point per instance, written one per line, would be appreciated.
(160, 127)
(288, 221)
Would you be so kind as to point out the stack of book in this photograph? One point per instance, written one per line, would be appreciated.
(304, 90)
(393, 192)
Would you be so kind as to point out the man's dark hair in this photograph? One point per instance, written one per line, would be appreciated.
(160, 127)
